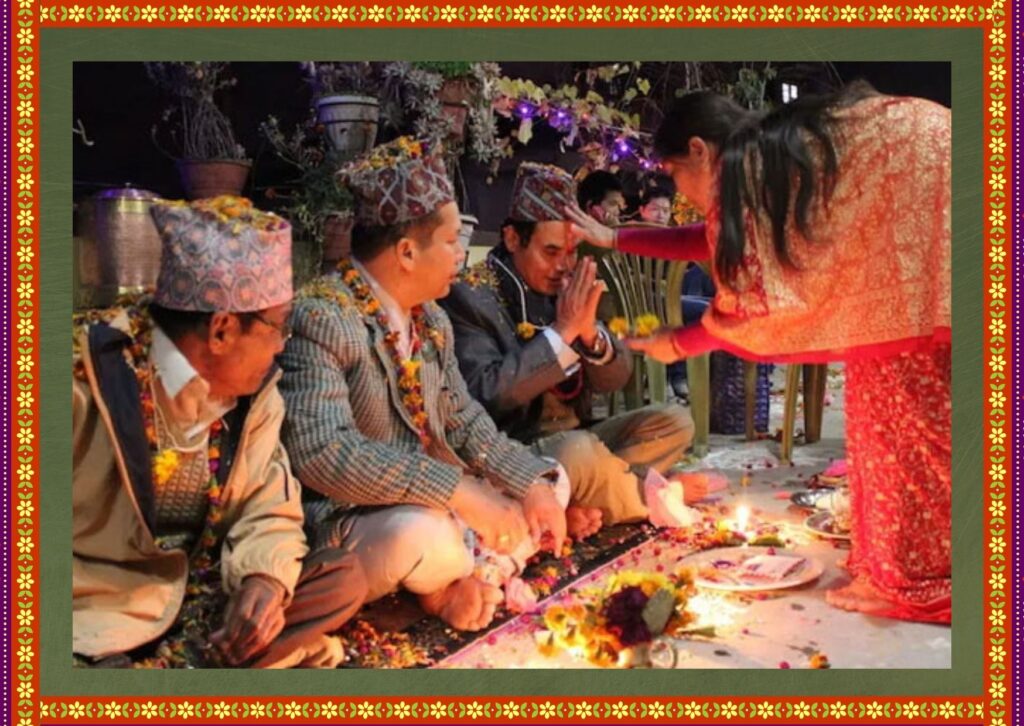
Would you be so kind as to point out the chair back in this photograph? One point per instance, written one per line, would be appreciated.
(643, 285)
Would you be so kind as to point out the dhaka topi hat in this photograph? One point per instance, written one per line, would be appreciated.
(397, 182)
(222, 255)
(541, 193)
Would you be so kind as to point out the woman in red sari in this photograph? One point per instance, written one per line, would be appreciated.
(828, 228)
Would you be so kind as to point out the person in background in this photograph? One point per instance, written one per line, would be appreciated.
(821, 251)
(697, 290)
(403, 468)
(187, 522)
(533, 352)
(656, 205)
(600, 195)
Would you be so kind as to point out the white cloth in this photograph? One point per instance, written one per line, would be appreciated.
(188, 404)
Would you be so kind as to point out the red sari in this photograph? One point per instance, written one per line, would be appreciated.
(872, 288)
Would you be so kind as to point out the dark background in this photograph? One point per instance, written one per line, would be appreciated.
(117, 105)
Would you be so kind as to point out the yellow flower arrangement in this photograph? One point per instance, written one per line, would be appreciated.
(165, 463)
(237, 210)
(631, 609)
(618, 327)
(684, 212)
(391, 154)
(413, 148)
(644, 326)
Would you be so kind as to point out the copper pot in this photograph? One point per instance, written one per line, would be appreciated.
(119, 246)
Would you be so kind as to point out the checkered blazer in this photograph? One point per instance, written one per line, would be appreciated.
(350, 438)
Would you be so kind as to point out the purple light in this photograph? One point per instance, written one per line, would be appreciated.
(624, 146)
(525, 110)
(560, 119)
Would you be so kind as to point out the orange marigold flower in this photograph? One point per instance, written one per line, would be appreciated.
(526, 330)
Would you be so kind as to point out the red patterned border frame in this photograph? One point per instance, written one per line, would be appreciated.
(20, 227)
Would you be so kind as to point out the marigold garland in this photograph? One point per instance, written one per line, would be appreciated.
(408, 369)
(202, 587)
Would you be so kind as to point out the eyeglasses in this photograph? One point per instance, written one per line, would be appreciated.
(285, 328)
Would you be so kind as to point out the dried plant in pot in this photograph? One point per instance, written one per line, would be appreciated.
(210, 160)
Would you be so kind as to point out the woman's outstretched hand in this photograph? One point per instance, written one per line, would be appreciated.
(586, 227)
(660, 346)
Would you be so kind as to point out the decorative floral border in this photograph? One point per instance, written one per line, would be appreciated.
(628, 710)
(22, 121)
(593, 15)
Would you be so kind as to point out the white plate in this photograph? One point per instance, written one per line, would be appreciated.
(820, 523)
(727, 559)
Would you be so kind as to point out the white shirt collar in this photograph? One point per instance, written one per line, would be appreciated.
(173, 368)
(399, 321)
(191, 406)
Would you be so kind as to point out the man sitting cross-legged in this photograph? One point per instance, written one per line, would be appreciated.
(187, 521)
(532, 351)
(403, 464)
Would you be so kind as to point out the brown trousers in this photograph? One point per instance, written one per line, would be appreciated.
(331, 589)
(607, 461)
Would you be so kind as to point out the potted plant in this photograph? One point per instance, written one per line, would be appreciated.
(210, 160)
(318, 207)
(455, 92)
(449, 102)
(346, 103)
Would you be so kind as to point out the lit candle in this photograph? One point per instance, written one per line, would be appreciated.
(742, 518)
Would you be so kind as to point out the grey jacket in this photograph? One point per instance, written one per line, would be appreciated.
(518, 379)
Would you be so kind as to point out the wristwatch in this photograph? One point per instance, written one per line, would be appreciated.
(599, 349)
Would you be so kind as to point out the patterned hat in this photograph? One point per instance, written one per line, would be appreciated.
(541, 193)
(222, 255)
(397, 183)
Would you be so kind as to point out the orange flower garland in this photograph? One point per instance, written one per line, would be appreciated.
(203, 587)
(408, 369)
(202, 559)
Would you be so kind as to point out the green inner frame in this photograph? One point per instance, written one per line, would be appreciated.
(60, 48)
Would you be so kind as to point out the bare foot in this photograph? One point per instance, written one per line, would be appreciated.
(859, 596)
(466, 604)
(581, 522)
(695, 486)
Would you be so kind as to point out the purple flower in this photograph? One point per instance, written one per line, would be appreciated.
(624, 612)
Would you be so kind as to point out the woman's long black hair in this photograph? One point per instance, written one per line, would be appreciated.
(779, 139)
